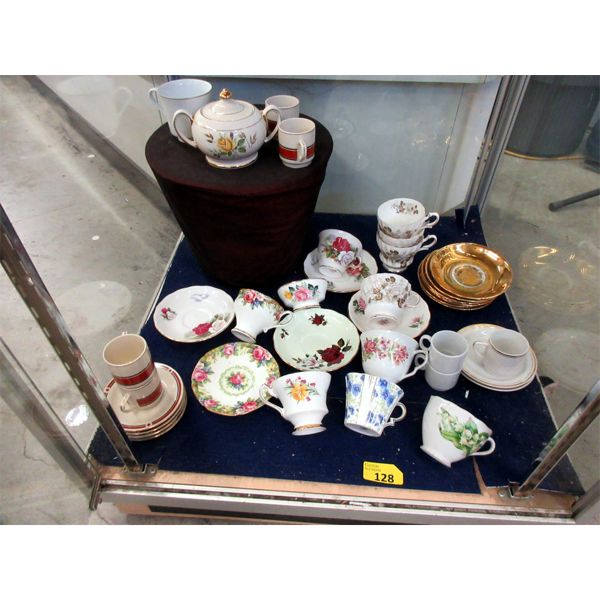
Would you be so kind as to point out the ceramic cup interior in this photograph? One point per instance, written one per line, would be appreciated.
(124, 350)
(182, 89)
(283, 101)
(509, 343)
(296, 125)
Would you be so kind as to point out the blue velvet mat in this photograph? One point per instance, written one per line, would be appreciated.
(260, 444)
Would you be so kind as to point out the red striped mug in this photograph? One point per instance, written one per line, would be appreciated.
(297, 142)
(130, 363)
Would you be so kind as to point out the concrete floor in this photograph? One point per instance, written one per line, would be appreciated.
(69, 195)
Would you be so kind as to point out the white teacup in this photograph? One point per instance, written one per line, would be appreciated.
(370, 402)
(180, 94)
(451, 433)
(389, 354)
(289, 107)
(504, 353)
(385, 295)
(404, 218)
(303, 396)
(395, 266)
(397, 254)
(400, 242)
(440, 382)
(337, 249)
(303, 293)
(256, 313)
(447, 350)
(297, 142)
(130, 363)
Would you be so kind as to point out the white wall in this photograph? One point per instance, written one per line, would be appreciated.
(392, 137)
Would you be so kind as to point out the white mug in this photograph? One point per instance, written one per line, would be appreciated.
(389, 354)
(289, 107)
(256, 313)
(504, 353)
(337, 249)
(130, 363)
(447, 350)
(297, 142)
(370, 402)
(440, 382)
(303, 397)
(180, 94)
(451, 433)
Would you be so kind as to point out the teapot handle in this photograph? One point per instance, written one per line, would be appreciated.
(268, 108)
(182, 137)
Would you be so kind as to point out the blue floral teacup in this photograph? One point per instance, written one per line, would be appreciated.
(370, 402)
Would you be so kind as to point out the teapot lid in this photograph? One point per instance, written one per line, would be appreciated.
(227, 109)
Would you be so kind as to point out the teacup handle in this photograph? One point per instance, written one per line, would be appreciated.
(153, 95)
(269, 108)
(425, 338)
(475, 347)
(414, 296)
(180, 135)
(301, 152)
(125, 404)
(394, 420)
(433, 241)
(419, 364)
(265, 393)
(284, 314)
(436, 218)
(489, 450)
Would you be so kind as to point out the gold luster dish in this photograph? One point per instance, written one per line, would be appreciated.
(470, 271)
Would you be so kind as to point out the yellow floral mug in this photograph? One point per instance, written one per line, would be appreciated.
(303, 397)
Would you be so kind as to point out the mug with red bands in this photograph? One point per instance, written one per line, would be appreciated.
(297, 142)
(130, 363)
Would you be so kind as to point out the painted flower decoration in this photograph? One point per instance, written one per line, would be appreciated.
(199, 375)
(318, 320)
(228, 349)
(237, 380)
(400, 354)
(202, 329)
(341, 244)
(370, 346)
(260, 354)
(210, 403)
(226, 144)
(359, 305)
(167, 313)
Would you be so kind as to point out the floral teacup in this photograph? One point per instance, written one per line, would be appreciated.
(304, 293)
(303, 396)
(337, 250)
(450, 433)
(389, 354)
(385, 295)
(256, 313)
(370, 402)
(404, 218)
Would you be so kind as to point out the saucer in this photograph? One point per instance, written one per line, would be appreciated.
(317, 339)
(165, 411)
(413, 323)
(193, 314)
(352, 278)
(473, 368)
(227, 379)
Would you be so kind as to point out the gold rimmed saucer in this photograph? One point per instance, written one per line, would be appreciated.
(470, 271)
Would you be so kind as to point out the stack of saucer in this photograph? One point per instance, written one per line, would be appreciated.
(157, 419)
(464, 276)
(401, 224)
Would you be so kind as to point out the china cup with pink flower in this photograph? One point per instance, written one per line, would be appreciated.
(256, 313)
(390, 354)
(336, 252)
(303, 293)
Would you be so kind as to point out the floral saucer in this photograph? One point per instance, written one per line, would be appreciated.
(356, 271)
(193, 314)
(317, 339)
(227, 379)
(413, 323)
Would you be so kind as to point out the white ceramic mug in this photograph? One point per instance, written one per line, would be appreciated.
(386, 294)
(440, 382)
(289, 107)
(303, 293)
(370, 402)
(447, 350)
(504, 353)
(404, 218)
(451, 433)
(256, 313)
(180, 94)
(297, 142)
(303, 397)
(389, 354)
(337, 249)
(130, 363)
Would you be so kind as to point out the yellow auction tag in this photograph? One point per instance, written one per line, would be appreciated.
(382, 473)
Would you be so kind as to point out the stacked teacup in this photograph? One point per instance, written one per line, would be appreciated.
(446, 351)
(401, 225)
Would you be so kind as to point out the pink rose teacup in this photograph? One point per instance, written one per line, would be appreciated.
(256, 313)
(304, 293)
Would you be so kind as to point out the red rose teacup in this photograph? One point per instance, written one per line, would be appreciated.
(337, 250)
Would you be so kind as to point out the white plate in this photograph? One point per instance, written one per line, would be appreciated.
(473, 366)
(348, 282)
(146, 420)
(413, 323)
(317, 339)
(178, 314)
(227, 379)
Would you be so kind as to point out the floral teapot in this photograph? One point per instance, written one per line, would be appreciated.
(230, 132)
